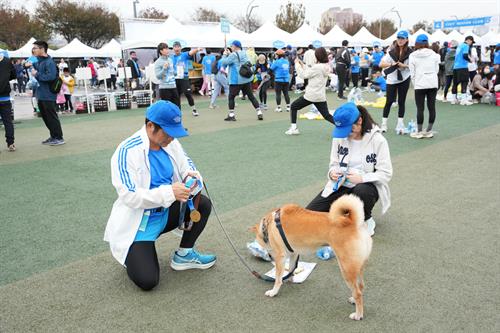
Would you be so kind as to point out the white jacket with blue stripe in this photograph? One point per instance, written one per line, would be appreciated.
(131, 177)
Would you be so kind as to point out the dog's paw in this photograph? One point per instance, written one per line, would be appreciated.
(271, 293)
(354, 316)
(352, 300)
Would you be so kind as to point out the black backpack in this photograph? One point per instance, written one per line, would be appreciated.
(55, 86)
(246, 69)
(214, 69)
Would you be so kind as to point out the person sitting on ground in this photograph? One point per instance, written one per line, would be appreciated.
(378, 82)
(151, 174)
(481, 85)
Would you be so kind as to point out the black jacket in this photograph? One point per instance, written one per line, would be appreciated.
(343, 57)
(131, 63)
(7, 73)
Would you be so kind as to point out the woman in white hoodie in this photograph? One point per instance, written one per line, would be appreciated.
(317, 75)
(424, 68)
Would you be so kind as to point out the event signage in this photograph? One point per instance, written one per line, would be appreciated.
(462, 23)
(279, 44)
(224, 25)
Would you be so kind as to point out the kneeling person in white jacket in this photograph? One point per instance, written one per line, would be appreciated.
(424, 68)
(149, 171)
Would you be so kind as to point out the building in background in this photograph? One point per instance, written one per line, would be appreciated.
(341, 17)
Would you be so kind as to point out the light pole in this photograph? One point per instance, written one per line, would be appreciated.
(248, 13)
(399, 16)
(380, 22)
(135, 7)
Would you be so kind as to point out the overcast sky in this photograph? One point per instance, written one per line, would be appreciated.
(411, 11)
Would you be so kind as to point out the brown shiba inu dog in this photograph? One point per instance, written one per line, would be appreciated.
(343, 228)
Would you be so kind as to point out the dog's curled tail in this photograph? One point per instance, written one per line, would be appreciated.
(347, 210)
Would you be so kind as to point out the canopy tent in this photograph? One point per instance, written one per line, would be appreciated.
(112, 49)
(76, 49)
(490, 38)
(335, 36)
(439, 36)
(455, 35)
(266, 35)
(363, 38)
(25, 50)
(416, 34)
(389, 40)
(306, 35)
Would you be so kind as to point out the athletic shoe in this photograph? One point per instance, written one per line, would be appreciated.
(212, 106)
(12, 147)
(428, 135)
(192, 260)
(400, 130)
(416, 135)
(454, 101)
(370, 225)
(292, 131)
(229, 118)
(260, 116)
(47, 141)
(56, 142)
(264, 106)
(383, 128)
(465, 102)
(195, 113)
(341, 98)
(278, 109)
(288, 108)
(201, 93)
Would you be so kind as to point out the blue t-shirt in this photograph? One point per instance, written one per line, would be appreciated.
(181, 60)
(281, 69)
(355, 65)
(460, 62)
(380, 81)
(496, 59)
(207, 63)
(376, 57)
(162, 170)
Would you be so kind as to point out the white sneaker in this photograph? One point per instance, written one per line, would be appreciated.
(465, 102)
(428, 135)
(370, 226)
(383, 128)
(292, 131)
(400, 130)
(454, 101)
(278, 109)
(416, 135)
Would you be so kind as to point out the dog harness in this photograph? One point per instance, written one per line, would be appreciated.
(277, 220)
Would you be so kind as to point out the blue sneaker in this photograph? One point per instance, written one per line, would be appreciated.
(192, 260)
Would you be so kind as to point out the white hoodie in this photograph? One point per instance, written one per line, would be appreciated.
(377, 165)
(317, 75)
(424, 68)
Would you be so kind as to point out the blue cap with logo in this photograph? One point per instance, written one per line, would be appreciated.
(402, 34)
(344, 117)
(422, 38)
(168, 116)
(236, 43)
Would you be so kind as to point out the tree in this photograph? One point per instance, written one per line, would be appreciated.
(206, 15)
(17, 27)
(291, 17)
(91, 23)
(424, 25)
(153, 13)
(387, 25)
(325, 27)
(253, 23)
(354, 26)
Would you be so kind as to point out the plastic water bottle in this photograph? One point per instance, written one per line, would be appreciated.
(411, 127)
(325, 253)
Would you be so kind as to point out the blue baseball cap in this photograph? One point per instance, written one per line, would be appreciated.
(422, 38)
(236, 43)
(168, 116)
(344, 117)
(498, 45)
(402, 34)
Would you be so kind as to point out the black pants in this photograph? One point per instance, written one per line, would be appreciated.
(400, 90)
(447, 84)
(171, 95)
(355, 79)
(21, 85)
(364, 76)
(301, 102)
(184, 87)
(342, 74)
(6, 114)
(142, 261)
(50, 118)
(367, 192)
(460, 76)
(68, 105)
(420, 95)
(281, 87)
(246, 89)
(263, 92)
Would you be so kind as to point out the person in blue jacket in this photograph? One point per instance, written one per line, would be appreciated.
(461, 71)
(281, 70)
(234, 60)
(181, 66)
(45, 72)
(377, 56)
(496, 58)
(355, 68)
(208, 77)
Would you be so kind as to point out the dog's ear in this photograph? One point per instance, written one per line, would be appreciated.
(253, 229)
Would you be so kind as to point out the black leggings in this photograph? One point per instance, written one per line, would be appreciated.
(420, 95)
(460, 76)
(184, 87)
(171, 95)
(364, 77)
(246, 89)
(355, 79)
(399, 89)
(301, 102)
(447, 84)
(279, 87)
(142, 261)
(263, 92)
(367, 192)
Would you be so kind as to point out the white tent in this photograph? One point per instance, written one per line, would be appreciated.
(266, 35)
(363, 38)
(305, 35)
(389, 40)
(335, 36)
(75, 49)
(25, 50)
(455, 35)
(111, 49)
(439, 36)
(490, 38)
(416, 34)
